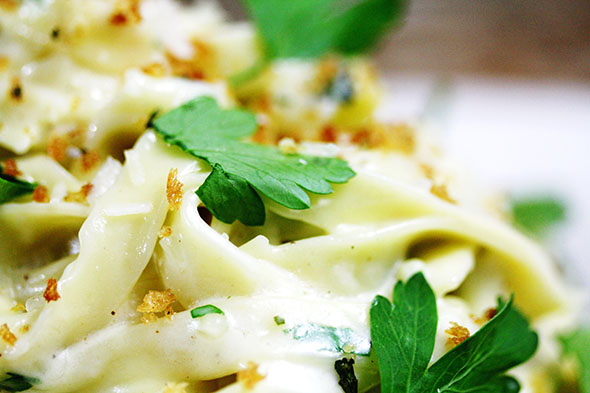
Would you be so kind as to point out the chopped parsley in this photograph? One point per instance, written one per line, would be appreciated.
(279, 320)
(11, 187)
(198, 312)
(577, 344)
(346, 379)
(403, 337)
(17, 383)
(240, 170)
(536, 215)
(331, 339)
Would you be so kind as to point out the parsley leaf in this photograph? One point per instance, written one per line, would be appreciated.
(312, 28)
(537, 215)
(17, 383)
(11, 188)
(240, 170)
(198, 312)
(331, 339)
(577, 343)
(404, 334)
(347, 380)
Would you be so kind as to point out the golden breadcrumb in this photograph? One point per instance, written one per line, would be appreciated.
(57, 148)
(156, 301)
(156, 70)
(126, 12)
(24, 328)
(7, 336)
(9, 5)
(41, 194)
(201, 66)
(50, 293)
(457, 334)
(79, 196)
(440, 190)
(165, 232)
(173, 190)
(89, 160)
(10, 168)
(250, 376)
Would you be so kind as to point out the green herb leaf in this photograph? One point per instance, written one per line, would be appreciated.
(331, 339)
(313, 28)
(403, 335)
(538, 215)
(11, 188)
(279, 320)
(346, 378)
(17, 383)
(198, 312)
(577, 343)
(243, 170)
(477, 364)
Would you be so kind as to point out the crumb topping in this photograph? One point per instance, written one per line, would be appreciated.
(440, 190)
(41, 194)
(250, 376)
(10, 168)
(457, 334)
(173, 190)
(165, 232)
(79, 196)
(126, 12)
(50, 293)
(7, 336)
(156, 302)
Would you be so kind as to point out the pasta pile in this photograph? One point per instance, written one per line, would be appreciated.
(103, 263)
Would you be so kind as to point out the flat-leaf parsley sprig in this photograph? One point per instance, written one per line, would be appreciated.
(308, 29)
(241, 170)
(403, 340)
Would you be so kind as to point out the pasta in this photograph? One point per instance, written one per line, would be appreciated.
(100, 270)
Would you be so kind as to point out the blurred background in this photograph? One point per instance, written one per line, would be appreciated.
(505, 86)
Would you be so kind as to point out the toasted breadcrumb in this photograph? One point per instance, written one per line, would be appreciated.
(79, 196)
(173, 190)
(126, 12)
(165, 232)
(9, 5)
(89, 160)
(57, 148)
(50, 293)
(440, 190)
(154, 69)
(428, 171)
(7, 336)
(156, 301)
(41, 194)
(16, 90)
(201, 66)
(329, 134)
(457, 334)
(149, 317)
(173, 387)
(24, 328)
(250, 376)
(10, 168)
(490, 313)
